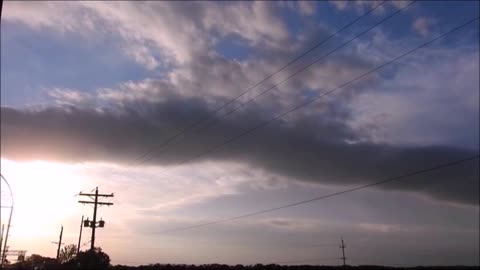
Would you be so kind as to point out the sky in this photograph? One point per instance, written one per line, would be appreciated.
(92, 94)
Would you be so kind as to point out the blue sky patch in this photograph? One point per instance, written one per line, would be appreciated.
(34, 60)
(234, 47)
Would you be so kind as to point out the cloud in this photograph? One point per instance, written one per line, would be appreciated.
(313, 149)
(306, 7)
(39, 15)
(340, 5)
(70, 97)
(422, 26)
(334, 141)
(408, 109)
(361, 6)
(256, 22)
(204, 183)
(157, 33)
(384, 228)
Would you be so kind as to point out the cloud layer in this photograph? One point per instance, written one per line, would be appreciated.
(315, 148)
(360, 134)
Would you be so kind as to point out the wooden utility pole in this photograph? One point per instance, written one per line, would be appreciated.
(1, 238)
(342, 246)
(80, 236)
(7, 231)
(95, 202)
(59, 243)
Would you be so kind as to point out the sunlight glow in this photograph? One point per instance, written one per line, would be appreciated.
(43, 193)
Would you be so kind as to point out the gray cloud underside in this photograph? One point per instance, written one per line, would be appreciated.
(313, 149)
(309, 145)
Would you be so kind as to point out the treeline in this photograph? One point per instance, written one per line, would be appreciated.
(98, 260)
(52, 265)
(280, 267)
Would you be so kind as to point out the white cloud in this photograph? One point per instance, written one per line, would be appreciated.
(57, 15)
(70, 97)
(175, 34)
(257, 22)
(179, 187)
(143, 56)
(410, 109)
(157, 32)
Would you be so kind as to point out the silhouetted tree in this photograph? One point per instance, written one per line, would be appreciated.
(67, 253)
(96, 259)
(36, 261)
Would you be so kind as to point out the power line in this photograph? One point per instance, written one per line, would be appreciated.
(213, 114)
(396, 178)
(86, 243)
(308, 102)
(307, 66)
(234, 138)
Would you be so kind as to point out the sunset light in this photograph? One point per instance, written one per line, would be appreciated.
(240, 135)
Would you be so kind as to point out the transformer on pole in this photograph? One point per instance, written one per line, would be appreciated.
(94, 224)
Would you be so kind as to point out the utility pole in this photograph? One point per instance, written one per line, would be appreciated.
(59, 243)
(1, 238)
(93, 223)
(7, 232)
(342, 246)
(80, 236)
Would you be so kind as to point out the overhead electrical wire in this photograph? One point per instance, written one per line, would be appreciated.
(216, 120)
(404, 176)
(212, 115)
(312, 63)
(381, 182)
(318, 97)
(316, 61)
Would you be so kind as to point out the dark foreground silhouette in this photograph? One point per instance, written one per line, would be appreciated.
(277, 267)
(97, 259)
(247, 267)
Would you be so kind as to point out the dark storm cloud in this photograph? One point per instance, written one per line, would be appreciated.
(313, 149)
(311, 145)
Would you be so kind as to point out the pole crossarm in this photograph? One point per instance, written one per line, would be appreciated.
(99, 203)
(93, 224)
(99, 195)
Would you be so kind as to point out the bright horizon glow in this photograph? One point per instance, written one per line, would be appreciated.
(44, 184)
(44, 196)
